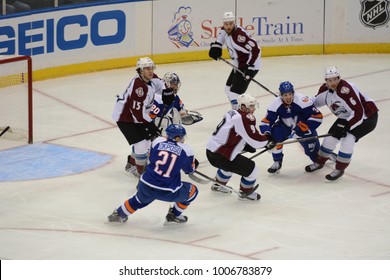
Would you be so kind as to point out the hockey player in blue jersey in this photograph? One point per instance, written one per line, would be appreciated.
(289, 115)
(171, 113)
(162, 181)
(174, 112)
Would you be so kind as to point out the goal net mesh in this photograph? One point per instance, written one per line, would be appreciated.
(15, 98)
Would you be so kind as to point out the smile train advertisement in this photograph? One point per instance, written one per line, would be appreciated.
(191, 25)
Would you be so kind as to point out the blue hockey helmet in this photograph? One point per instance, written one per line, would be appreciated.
(286, 87)
(173, 131)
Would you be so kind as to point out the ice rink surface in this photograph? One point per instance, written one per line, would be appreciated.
(301, 216)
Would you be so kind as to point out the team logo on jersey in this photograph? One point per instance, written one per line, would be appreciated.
(305, 99)
(180, 33)
(344, 90)
(139, 92)
(374, 13)
(337, 108)
(241, 38)
(315, 110)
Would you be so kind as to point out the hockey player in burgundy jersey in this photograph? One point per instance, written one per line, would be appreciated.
(235, 133)
(162, 180)
(356, 113)
(244, 52)
(131, 113)
(291, 114)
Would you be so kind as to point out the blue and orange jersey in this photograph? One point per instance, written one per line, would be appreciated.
(167, 158)
(301, 112)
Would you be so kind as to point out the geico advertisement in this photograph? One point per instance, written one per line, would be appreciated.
(179, 27)
(85, 31)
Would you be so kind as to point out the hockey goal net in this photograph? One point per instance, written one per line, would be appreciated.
(16, 98)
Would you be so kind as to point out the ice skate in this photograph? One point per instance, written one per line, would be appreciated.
(252, 197)
(334, 175)
(116, 218)
(131, 170)
(171, 219)
(275, 167)
(220, 188)
(313, 167)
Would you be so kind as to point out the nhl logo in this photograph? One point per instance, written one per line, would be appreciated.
(374, 13)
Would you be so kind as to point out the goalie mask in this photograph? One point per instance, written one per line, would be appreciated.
(172, 80)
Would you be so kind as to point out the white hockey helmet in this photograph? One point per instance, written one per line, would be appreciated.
(228, 17)
(144, 62)
(247, 100)
(331, 72)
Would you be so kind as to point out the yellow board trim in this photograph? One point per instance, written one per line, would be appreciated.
(88, 67)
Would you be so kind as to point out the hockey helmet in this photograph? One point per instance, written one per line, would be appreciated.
(331, 72)
(174, 130)
(228, 17)
(247, 100)
(145, 62)
(171, 78)
(286, 87)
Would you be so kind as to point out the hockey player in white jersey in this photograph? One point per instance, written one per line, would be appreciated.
(131, 113)
(292, 114)
(243, 50)
(162, 180)
(357, 115)
(235, 133)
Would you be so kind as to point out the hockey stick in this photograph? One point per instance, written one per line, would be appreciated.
(202, 181)
(293, 141)
(303, 139)
(259, 153)
(162, 116)
(243, 74)
(4, 131)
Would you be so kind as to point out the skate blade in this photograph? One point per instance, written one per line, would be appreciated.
(172, 224)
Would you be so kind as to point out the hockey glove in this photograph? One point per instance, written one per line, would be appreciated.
(339, 129)
(271, 142)
(250, 72)
(168, 96)
(302, 129)
(270, 145)
(215, 51)
(249, 148)
(196, 162)
(151, 131)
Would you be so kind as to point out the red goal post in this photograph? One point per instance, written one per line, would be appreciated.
(16, 110)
